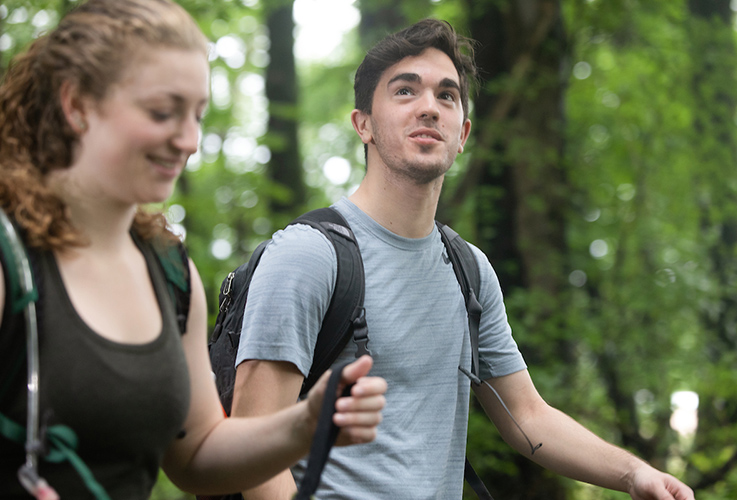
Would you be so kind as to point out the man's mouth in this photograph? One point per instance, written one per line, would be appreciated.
(426, 134)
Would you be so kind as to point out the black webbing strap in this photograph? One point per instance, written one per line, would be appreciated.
(345, 316)
(474, 320)
(475, 482)
(469, 279)
(324, 438)
(468, 276)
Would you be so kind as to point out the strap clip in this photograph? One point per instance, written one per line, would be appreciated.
(360, 332)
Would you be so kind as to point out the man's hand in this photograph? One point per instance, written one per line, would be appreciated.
(651, 484)
(359, 414)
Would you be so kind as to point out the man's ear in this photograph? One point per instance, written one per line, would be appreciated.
(362, 125)
(465, 133)
(73, 107)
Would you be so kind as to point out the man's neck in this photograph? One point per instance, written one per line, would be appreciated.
(399, 205)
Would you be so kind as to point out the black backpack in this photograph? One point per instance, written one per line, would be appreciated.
(345, 317)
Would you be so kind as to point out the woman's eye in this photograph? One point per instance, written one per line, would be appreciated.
(160, 116)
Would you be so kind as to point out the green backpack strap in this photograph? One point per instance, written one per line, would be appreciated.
(21, 292)
(175, 263)
(20, 296)
(16, 299)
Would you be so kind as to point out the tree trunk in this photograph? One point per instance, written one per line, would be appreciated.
(285, 166)
(378, 19)
(517, 180)
(519, 152)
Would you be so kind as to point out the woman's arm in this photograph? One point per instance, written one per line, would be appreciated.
(223, 455)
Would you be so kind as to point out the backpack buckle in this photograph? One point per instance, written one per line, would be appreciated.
(226, 292)
(360, 332)
(362, 347)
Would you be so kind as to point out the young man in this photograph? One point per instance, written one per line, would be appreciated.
(412, 115)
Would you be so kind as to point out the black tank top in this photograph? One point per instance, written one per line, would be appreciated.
(126, 403)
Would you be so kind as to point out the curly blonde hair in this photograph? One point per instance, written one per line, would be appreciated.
(90, 49)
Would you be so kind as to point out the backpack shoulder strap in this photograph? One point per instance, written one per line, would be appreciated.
(467, 273)
(345, 317)
(22, 289)
(174, 261)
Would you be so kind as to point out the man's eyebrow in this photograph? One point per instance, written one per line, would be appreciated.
(415, 78)
(406, 77)
(449, 83)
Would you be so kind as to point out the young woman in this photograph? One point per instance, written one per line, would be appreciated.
(98, 118)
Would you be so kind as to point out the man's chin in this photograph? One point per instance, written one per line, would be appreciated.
(422, 175)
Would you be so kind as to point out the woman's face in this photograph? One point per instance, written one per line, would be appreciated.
(137, 140)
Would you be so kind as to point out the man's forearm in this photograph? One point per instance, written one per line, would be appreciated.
(572, 450)
(567, 448)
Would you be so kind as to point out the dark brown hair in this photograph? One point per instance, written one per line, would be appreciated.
(412, 41)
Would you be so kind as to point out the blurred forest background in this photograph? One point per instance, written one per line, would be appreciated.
(600, 179)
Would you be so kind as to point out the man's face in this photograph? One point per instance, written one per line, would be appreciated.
(416, 126)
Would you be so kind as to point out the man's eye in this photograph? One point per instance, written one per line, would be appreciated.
(448, 96)
(404, 91)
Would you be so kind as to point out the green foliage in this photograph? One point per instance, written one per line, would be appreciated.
(165, 490)
(649, 162)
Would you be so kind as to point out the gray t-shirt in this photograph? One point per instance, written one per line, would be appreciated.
(418, 332)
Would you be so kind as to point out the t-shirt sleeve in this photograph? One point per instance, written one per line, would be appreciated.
(289, 295)
(498, 351)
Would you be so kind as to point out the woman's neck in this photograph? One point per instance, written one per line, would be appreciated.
(105, 223)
